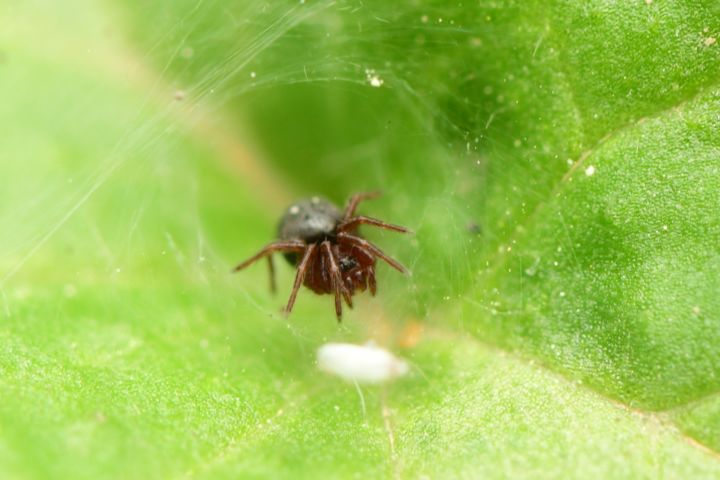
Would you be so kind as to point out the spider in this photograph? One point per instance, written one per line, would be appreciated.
(324, 245)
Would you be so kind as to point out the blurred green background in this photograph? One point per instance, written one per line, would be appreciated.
(559, 162)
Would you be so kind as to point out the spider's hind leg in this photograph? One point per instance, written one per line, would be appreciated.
(351, 224)
(365, 245)
(355, 201)
(280, 246)
(267, 251)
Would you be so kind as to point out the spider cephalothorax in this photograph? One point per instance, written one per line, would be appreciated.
(325, 246)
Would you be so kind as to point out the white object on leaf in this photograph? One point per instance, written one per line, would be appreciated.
(360, 363)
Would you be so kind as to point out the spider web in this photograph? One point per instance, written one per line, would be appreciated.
(195, 75)
(239, 116)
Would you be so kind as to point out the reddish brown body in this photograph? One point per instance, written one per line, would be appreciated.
(329, 253)
(357, 270)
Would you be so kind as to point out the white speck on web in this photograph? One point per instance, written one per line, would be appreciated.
(373, 79)
(590, 171)
(360, 363)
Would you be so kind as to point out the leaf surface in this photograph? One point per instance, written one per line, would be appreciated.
(559, 163)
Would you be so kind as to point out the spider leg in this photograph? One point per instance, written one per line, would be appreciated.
(280, 246)
(300, 275)
(355, 200)
(371, 281)
(335, 269)
(338, 303)
(361, 242)
(347, 293)
(352, 223)
(336, 279)
(365, 276)
(347, 296)
(271, 269)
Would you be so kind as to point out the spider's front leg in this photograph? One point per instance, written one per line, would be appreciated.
(300, 275)
(337, 281)
(372, 283)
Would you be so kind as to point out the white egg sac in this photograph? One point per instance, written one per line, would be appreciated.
(360, 363)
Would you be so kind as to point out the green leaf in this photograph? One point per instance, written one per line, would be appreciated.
(558, 161)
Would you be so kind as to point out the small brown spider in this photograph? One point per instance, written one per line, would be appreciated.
(325, 246)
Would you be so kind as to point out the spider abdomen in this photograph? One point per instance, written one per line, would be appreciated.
(310, 219)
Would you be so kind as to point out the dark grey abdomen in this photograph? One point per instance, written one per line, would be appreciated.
(310, 219)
